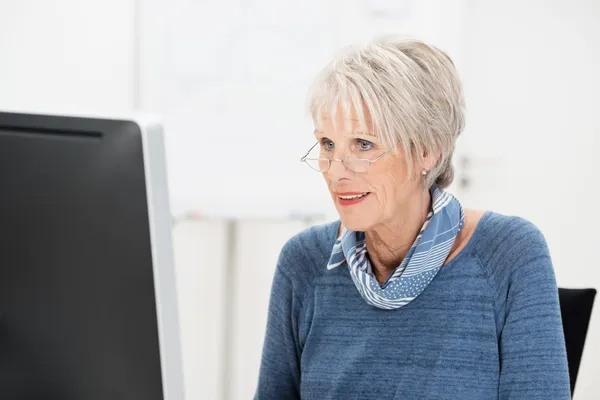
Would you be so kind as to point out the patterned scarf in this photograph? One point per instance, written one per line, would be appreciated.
(421, 264)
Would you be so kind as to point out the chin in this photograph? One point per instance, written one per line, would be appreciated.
(356, 223)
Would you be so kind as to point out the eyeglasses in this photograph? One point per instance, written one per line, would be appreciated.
(353, 164)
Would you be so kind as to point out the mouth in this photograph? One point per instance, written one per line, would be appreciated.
(351, 198)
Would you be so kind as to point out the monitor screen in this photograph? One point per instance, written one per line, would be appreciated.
(87, 288)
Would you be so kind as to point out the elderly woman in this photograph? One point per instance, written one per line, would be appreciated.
(408, 295)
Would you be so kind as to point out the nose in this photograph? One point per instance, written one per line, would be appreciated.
(337, 169)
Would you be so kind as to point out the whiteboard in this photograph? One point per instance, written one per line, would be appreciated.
(230, 80)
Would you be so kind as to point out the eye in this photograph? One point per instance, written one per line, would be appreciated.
(326, 144)
(365, 145)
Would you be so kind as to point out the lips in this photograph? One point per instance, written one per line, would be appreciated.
(350, 198)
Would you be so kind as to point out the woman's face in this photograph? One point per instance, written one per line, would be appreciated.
(365, 200)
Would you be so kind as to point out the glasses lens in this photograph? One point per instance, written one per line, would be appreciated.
(357, 164)
(318, 164)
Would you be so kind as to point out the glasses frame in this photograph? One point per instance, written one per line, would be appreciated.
(305, 158)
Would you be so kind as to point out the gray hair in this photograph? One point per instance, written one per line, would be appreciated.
(410, 89)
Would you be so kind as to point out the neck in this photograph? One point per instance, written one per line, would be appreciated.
(389, 242)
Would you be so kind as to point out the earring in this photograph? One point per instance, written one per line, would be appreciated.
(424, 172)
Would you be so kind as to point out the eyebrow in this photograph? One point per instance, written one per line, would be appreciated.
(354, 133)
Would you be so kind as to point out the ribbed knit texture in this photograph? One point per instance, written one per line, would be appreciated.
(487, 327)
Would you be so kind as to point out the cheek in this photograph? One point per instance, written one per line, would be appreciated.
(387, 189)
(327, 180)
(389, 185)
(383, 185)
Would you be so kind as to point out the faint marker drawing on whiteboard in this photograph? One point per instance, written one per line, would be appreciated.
(236, 78)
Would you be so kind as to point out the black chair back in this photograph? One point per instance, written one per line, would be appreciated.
(576, 309)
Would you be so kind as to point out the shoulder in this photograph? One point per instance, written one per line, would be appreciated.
(305, 255)
(509, 246)
(508, 236)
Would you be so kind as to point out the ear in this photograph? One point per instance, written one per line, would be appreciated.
(429, 160)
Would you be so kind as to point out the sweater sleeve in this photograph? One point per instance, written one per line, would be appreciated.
(532, 346)
(279, 376)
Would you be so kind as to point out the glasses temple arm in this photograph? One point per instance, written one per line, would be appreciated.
(308, 152)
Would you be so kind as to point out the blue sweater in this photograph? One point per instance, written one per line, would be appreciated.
(487, 327)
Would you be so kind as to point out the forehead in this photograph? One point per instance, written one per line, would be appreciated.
(348, 121)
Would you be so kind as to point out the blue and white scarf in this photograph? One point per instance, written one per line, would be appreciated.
(421, 264)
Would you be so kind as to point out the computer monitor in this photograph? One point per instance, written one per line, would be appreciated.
(88, 306)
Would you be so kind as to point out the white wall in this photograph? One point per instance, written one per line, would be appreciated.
(67, 55)
(201, 263)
